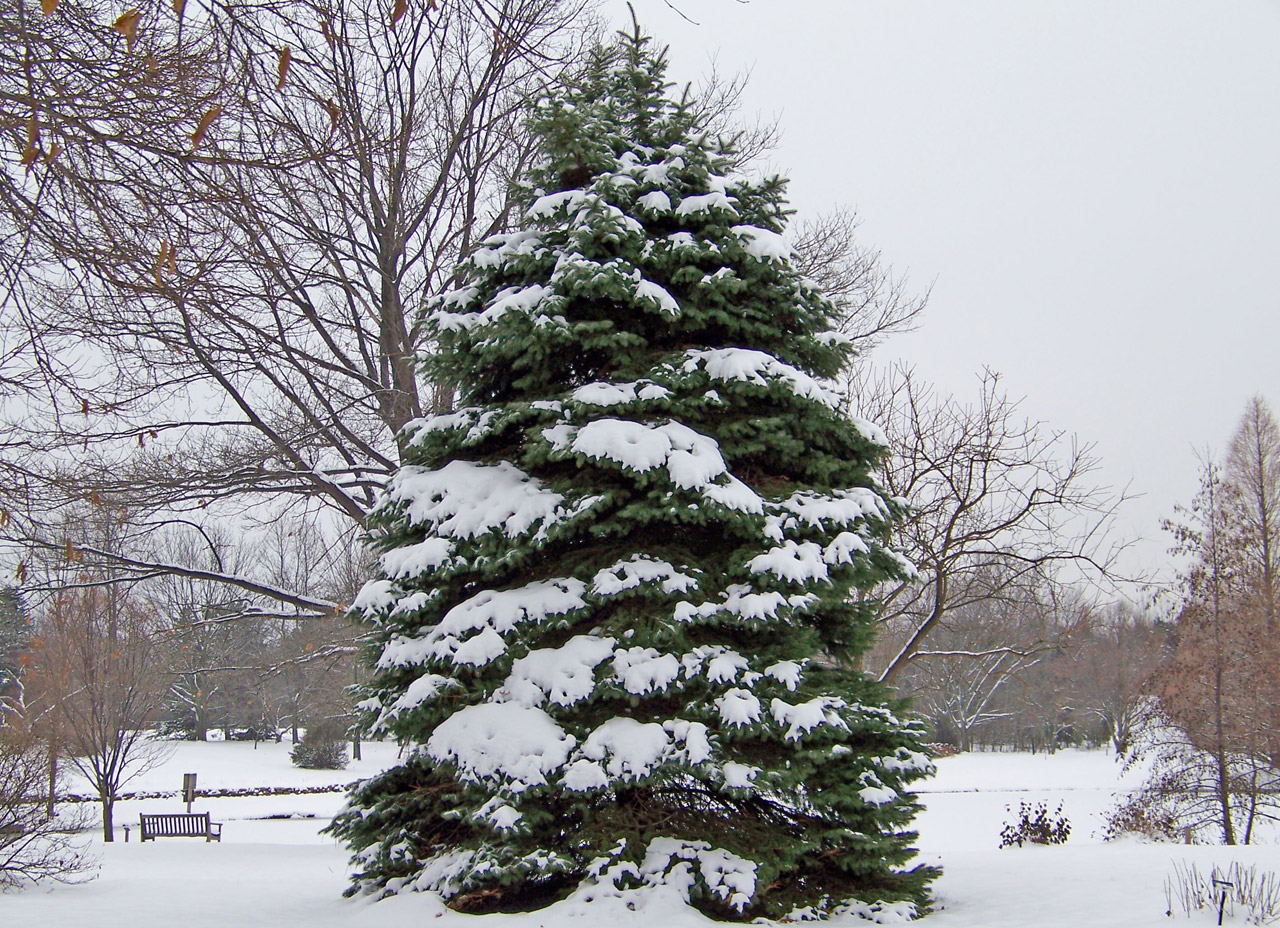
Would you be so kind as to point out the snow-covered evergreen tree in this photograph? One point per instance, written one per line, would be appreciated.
(620, 587)
(15, 638)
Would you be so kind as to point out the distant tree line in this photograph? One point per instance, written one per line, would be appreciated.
(1036, 672)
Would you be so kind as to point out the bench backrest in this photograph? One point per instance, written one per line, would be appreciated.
(176, 824)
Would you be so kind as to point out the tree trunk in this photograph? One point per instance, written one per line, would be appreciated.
(108, 822)
(899, 663)
(1224, 776)
(1253, 805)
(1120, 740)
(52, 799)
(1224, 780)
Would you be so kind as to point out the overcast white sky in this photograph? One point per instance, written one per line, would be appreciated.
(1093, 188)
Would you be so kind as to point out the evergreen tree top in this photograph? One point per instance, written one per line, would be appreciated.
(619, 104)
(637, 234)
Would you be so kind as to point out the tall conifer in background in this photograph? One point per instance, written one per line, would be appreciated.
(620, 584)
(15, 640)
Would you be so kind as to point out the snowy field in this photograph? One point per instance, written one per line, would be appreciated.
(273, 868)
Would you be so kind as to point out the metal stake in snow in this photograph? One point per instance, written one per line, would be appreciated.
(1222, 902)
(188, 790)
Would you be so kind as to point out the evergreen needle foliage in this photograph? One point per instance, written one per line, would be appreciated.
(622, 586)
(15, 640)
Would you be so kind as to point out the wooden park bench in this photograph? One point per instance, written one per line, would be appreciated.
(180, 825)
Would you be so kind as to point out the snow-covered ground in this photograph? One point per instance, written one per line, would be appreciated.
(274, 869)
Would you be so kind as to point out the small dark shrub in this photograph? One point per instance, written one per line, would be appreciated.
(1034, 826)
(1144, 816)
(323, 747)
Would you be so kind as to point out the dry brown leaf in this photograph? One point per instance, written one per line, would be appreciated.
(4, 517)
(178, 7)
(334, 113)
(205, 122)
(398, 11)
(173, 264)
(285, 57)
(70, 551)
(161, 260)
(327, 33)
(32, 151)
(54, 150)
(22, 571)
(127, 25)
(48, 6)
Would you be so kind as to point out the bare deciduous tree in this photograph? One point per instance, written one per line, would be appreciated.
(1251, 486)
(212, 283)
(874, 301)
(1110, 667)
(1214, 720)
(991, 495)
(34, 846)
(95, 666)
(977, 654)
